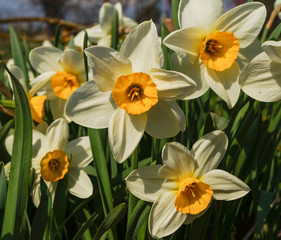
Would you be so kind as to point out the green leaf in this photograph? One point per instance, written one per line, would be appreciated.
(101, 168)
(42, 213)
(57, 36)
(138, 210)
(71, 44)
(5, 130)
(111, 219)
(17, 54)
(275, 33)
(85, 45)
(263, 208)
(102, 171)
(17, 194)
(3, 192)
(72, 214)
(114, 32)
(175, 7)
(220, 123)
(60, 201)
(166, 51)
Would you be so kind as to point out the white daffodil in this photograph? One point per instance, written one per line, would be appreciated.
(183, 187)
(53, 156)
(36, 103)
(61, 72)
(100, 34)
(130, 94)
(213, 42)
(261, 78)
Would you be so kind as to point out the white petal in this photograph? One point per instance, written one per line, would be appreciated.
(106, 17)
(72, 61)
(18, 73)
(39, 142)
(273, 50)
(178, 161)
(245, 21)
(208, 151)
(45, 59)
(145, 183)
(195, 71)
(164, 219)
(104, 41)
(36, 192)
(186, 42)
(129, 22)
(261, 79)
(118, 7)
(108, 65)
(57, 135)
(165, 119)
(246, 55)
(57, 107)
(172, 85)
(225, 185)
(124, 133)
(42, 84)
(143, 48)
(79, 184)
(95, 33)
(79, 150)
(225, 83)
(199, 13)
(9, 144)
(90, 107)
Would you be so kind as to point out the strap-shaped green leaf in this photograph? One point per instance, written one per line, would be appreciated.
(42, 213)
(111, 219)
(17, 194)
(17, 54)
(114, 32)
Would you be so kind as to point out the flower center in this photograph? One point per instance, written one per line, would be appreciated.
(136, 93)
(36, 105)
(193, 196)
(219, 50)
(64, 84)
(54, 165)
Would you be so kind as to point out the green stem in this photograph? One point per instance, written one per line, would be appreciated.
(8, 103)
(132, 199)
(102, 172)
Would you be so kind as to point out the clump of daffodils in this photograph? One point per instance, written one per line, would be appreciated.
(183, 187)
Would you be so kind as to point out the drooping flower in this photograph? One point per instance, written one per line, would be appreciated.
(214, 44)
(53, 156)
(100, 34)
(130, 94)
(183, 187)
(261, 78)
(61, 73)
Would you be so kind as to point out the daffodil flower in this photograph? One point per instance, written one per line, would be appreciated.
(213, 43)
(61, 73)
(261, 78)
(53, 156)
(36, 103)
(130, 94)
(100, 34)
(183, 187)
